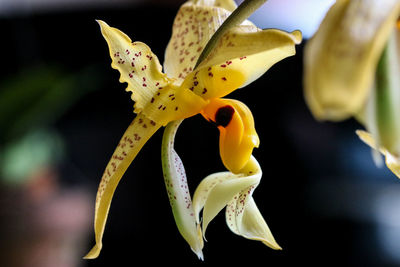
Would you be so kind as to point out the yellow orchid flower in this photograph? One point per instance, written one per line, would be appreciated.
(241, 55)
(341, 58)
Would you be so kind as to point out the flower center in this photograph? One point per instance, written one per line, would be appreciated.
(224, 115)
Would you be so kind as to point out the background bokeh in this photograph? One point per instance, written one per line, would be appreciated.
(62, 112)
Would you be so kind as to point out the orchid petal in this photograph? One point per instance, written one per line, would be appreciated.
(248, 222)
(229, 5)
(217, 190)
(137, 134)
(242, 56)
(235, 192)
(138, 66)
(155, 94)
(243, 216)
(193, 27)
(178, 191)
(392, 161)
(341, 58)
(238, 136)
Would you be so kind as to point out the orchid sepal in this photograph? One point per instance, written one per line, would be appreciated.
(178, 191)
(234, 191)
(134, 138)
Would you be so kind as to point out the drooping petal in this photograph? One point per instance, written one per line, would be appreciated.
(243, 216)
(217, 190)
(248, 222)
(341, 59)
(238, 136)
(138, 66)
(242, 56)
(137, 134)
(392, 161)
(178, 191)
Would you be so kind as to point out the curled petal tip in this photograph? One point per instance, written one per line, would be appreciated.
(199, 254)
(297, 36)
(94, 252)
(101, 23)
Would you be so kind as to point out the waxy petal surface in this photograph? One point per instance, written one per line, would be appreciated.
(223, 189)
(178, 191)
(242, 56)
(238, 136)
(137, 134)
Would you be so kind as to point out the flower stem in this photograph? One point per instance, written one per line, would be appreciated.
(242, 12)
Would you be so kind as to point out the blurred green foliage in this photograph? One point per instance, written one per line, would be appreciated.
(30, 103)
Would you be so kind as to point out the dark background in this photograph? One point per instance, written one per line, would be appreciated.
(321, 194)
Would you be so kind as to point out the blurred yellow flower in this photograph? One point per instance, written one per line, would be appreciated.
(341, 58)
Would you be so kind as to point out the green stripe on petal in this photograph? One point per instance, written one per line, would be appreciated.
(137, 134)
(178, 191)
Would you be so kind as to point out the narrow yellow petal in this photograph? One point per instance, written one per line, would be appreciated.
(341, 58)
(242, 56)
(137, 134)
(138, 66)
(238, 136)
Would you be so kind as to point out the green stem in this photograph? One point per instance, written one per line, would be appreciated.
(241, 13)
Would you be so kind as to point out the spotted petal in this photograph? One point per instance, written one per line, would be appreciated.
(392, 161)
(194, 25)
(137, 134)
(221, 189)
(138, 66)
(229, 5)
(341, 59)
(242, 55)
(246, 220)
(178, 191)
